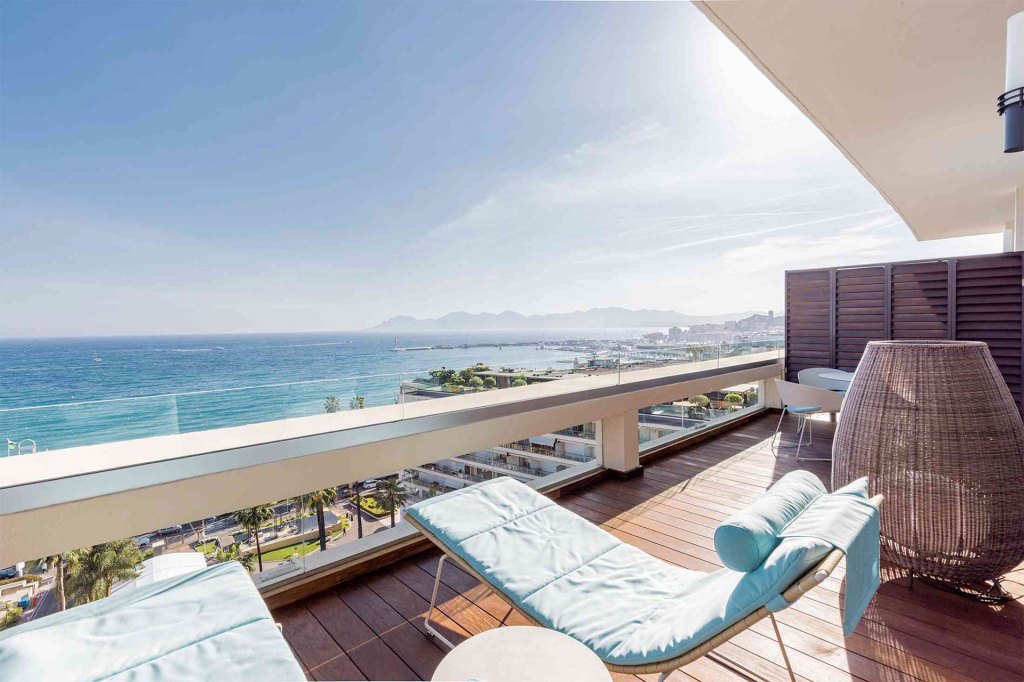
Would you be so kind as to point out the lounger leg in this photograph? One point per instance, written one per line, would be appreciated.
(433, 602)
(785, 656)
(664, 676)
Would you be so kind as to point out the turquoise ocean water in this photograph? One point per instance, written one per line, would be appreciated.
(69, 392)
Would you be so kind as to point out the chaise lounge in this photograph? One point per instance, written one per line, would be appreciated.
(638, 614)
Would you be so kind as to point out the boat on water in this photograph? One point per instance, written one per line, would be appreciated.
(400, 349)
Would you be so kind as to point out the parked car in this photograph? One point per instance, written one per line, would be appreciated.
(9, 572)
(370, 484)
(142, 540)
(170, 530)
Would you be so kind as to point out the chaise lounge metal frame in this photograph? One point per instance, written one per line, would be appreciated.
(814, 577)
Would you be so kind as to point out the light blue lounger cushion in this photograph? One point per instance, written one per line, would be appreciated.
(572, 576)
(745, 539)
(207, 625)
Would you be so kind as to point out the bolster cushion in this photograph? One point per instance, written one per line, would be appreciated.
(745, 539)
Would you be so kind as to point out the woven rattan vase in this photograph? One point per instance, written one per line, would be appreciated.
(933, 426)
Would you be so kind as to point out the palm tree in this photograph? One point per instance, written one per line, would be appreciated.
(234, 553)
(57, 561)
(94, 570)
(332, 404)
(357, 402)
(316, 500)
(391, 494)
(353, 490)
(251, 520)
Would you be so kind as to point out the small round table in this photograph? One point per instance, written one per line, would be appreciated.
(837, 375)
(516, 653)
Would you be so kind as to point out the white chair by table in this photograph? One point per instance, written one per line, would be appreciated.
(805, 401)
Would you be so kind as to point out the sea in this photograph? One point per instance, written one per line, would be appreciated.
(61, 393)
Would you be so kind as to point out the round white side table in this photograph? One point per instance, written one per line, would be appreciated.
(517, 653)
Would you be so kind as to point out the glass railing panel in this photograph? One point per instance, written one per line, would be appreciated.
(283, 538)
(35, 428)
(84, 413)
(667, 422)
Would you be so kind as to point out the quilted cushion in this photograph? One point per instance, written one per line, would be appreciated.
(210, 624)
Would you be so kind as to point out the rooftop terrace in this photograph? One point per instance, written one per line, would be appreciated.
(372, 627)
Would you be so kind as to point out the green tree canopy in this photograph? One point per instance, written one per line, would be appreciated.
(700, 401)
(94, 570)
(476, 382)
(251, 520)
(234, 553)
(316, 501)
(357, 402)
(332, 404)
(391, 495)
(445, 375)
(490, 382)
(733, 398)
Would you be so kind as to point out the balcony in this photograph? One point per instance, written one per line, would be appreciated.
(545, 451)
(354, 611)
(372, 627)
(497, 464)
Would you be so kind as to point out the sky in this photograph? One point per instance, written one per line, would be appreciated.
(172, 168)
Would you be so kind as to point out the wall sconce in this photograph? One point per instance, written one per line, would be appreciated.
(1011, 102)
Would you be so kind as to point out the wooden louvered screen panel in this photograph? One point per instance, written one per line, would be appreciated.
(920, 301)
(832, 313)
(860, 313)
(808, 313)
(989, 303)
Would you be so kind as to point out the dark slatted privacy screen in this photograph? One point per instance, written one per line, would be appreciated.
(831, 314)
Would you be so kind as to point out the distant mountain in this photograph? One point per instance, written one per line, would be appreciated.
(595, 318)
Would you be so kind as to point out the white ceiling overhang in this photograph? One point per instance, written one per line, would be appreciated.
(906, 90)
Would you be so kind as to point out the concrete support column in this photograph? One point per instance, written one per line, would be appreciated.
(620, 445)
(770, 393)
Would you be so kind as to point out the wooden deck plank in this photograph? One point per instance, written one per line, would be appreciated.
(671, 512)
(413, 608)
(412, 646)
(314, 647)
(371, 655)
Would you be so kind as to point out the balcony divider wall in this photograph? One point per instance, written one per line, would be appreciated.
(832, 313)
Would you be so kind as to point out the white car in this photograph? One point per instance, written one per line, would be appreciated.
(142, 541)
(170, 530)
(370, 484)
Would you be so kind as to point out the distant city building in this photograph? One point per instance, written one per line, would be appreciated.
(675, 334)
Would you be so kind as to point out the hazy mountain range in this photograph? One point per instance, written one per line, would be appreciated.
(595, 318)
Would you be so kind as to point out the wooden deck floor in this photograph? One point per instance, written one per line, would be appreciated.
(372, 628)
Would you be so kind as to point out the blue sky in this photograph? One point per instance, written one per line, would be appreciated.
(244, 167)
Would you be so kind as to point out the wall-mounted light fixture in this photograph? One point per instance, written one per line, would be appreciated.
(1011, 102)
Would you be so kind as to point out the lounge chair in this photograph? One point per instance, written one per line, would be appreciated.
(209, 624)
(638, 614)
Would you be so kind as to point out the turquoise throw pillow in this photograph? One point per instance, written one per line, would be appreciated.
(745, 539)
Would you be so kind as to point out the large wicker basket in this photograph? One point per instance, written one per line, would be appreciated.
(933, 426)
